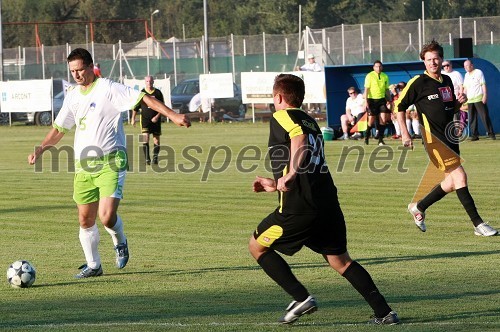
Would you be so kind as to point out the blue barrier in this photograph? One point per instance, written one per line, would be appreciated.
(339, 78)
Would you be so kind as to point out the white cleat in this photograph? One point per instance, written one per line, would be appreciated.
(483, 229)
(418, 216)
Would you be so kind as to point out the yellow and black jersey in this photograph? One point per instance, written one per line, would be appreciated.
(147, 113)
(313, 190)
(435, 103)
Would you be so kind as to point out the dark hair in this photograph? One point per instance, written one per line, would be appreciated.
(81, 54)
(433, 46)
(377, 61)
(291, 87)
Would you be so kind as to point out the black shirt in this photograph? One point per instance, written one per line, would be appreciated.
(148, 113)
(313, 190)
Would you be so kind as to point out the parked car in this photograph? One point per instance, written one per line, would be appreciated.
(44, 118)
(183, 92)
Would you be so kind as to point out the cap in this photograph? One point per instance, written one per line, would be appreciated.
(310, 56)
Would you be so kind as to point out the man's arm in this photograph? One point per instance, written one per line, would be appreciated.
(178, 119)
(298, 151)
(51, 139)
(485, 93)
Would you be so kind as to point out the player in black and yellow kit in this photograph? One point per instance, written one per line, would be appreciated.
(432, 94)
(309, 213)
(150, 120)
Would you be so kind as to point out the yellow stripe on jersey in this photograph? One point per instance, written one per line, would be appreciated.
(427, 127)
(285, 172)
(270, 235)
(402, 94)
(293, 129)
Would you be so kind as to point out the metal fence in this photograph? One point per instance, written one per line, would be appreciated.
(339, 45)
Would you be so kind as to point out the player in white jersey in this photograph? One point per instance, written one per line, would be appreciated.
(95, 107)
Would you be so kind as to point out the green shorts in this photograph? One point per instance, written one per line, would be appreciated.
(105, 179)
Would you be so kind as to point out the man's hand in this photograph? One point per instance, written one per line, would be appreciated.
(181, 120)
(261, 184)
(461, 98)
(285, 183)
(407, 141)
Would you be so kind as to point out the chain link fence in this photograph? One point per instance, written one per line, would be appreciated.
(181, 59)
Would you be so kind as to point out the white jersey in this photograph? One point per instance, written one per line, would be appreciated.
(96, 113)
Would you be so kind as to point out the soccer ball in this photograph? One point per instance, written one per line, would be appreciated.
(21, 274)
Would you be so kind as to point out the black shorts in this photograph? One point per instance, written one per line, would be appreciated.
(324, 233)
(150, 127)
(377, 106)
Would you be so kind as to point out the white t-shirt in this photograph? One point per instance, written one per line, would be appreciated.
(97, 115)
(474, 82)
(356, 105)
(311, 67)
(456, 79)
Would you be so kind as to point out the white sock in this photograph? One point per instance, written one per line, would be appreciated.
(408, 125)
(396, 127)
(416, 126)
(116, 231)
(346, 135)
(89, 239)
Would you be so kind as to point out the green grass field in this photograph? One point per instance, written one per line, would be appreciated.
(190, 269)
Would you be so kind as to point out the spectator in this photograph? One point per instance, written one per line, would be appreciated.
(97, 70)
(354, 110)
(312, 65)
(458, 81)
(475, 88)
(393, 88)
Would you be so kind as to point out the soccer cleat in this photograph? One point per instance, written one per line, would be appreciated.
(121, 255)
(418, 216)
(483, 229)
(391, 319)
(381, 142)
(297, 309)
(366, 141)
(88, 272)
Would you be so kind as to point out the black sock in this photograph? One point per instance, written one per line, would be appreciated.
(381, 132)
(468, 203)
(145, 148)
(156, 150)
(435, 195)
(278, 269)
(361, 280)
(367, 132)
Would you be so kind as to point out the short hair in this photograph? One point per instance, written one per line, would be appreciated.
(352, 88)
(377, 61)
(81, 54)
(291, 87)
(433, 46)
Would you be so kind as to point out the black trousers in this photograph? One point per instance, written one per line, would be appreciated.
(482, 109)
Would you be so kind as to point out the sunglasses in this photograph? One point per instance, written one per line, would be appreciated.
(444, 66)
(351, 93)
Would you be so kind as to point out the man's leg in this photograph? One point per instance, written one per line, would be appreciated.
(474, 134)
(361, 280)
(156, 149)
(145, 147)
(482, 109)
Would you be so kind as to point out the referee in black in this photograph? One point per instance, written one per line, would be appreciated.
(150, 121)
(309, 213)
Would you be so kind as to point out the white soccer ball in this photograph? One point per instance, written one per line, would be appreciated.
(21, 274)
